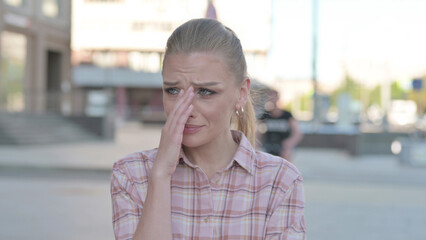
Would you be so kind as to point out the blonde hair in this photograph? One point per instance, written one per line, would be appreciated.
(208, 35)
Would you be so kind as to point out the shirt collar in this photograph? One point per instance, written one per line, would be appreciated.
(244, 156)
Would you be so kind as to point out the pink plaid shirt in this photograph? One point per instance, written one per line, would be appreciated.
(257, 196)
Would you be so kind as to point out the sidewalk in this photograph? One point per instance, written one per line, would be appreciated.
(98, 155)
(314, 163)
(366, 197)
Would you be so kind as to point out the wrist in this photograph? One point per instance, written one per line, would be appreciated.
(157, 174)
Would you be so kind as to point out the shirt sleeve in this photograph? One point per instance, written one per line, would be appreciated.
(287, 220)
(263, 116)
(125, 211)
(288, 114)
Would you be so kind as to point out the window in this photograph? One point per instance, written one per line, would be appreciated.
(145, 61)
(51, 8)
(15, 3)
(12, 75)
(152, 26)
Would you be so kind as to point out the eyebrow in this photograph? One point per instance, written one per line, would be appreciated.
(206, 84)
(170, 83)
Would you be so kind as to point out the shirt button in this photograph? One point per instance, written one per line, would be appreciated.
(217, 181)
(206, 220)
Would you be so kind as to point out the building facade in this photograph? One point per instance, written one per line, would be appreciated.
(35, 73)
(118, 46)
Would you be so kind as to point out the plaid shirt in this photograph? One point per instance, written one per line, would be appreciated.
(257, 196)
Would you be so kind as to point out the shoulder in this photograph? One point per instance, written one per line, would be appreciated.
(130, 175)
(264, 115)
(136, 166)
(286, 114)
(281, 172)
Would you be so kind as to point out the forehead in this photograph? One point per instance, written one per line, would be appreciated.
(198, 66)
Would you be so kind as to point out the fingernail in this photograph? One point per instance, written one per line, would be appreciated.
(181, 92)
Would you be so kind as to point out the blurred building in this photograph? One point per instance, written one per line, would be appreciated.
(35, 73)
(118, 47)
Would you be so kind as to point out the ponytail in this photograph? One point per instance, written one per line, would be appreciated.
(246, 122)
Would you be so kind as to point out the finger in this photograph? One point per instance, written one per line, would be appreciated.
(171, 140)
(180, 100)
(172, 113)
(185, 104)
(180, 109)
(182, 120)
(180, 126)
(186, 100)
(173, 129)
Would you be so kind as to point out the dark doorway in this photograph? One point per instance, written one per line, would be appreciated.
(53, 83)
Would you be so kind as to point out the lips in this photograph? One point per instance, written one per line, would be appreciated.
(191, 128)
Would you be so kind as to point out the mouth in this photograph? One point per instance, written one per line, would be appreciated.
(190, 129)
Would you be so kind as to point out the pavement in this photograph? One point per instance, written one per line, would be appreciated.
(61, 191)
(95, 156)
(131, 137)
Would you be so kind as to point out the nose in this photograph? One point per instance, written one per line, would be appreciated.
(194, 111)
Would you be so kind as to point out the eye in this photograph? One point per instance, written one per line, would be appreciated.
(172, 91)
(205, 92)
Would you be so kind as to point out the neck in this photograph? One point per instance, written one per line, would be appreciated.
(276, 112)
(215, 155)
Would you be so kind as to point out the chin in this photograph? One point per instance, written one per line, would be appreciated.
(192, 141)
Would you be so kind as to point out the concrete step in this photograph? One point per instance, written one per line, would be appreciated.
(30, 128)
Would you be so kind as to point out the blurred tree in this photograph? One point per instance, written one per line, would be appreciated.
(375, 96)
(306, 102)
(348, 86)
(397, 92)
(355, 89)
(372, 96)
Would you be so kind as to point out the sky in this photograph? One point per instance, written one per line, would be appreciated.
(373, 40)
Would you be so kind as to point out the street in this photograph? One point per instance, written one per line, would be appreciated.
(54, 205)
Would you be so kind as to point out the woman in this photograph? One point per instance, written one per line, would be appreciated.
(205, 181)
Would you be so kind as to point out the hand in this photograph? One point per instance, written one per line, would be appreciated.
(172, 135)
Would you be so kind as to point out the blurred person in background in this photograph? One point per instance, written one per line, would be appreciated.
(280, 131)
(205, 180)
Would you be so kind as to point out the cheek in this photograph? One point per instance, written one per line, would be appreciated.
(218, 111)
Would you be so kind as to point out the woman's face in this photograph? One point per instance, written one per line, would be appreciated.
(217, 94)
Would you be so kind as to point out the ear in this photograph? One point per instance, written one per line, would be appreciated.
(244, 92)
